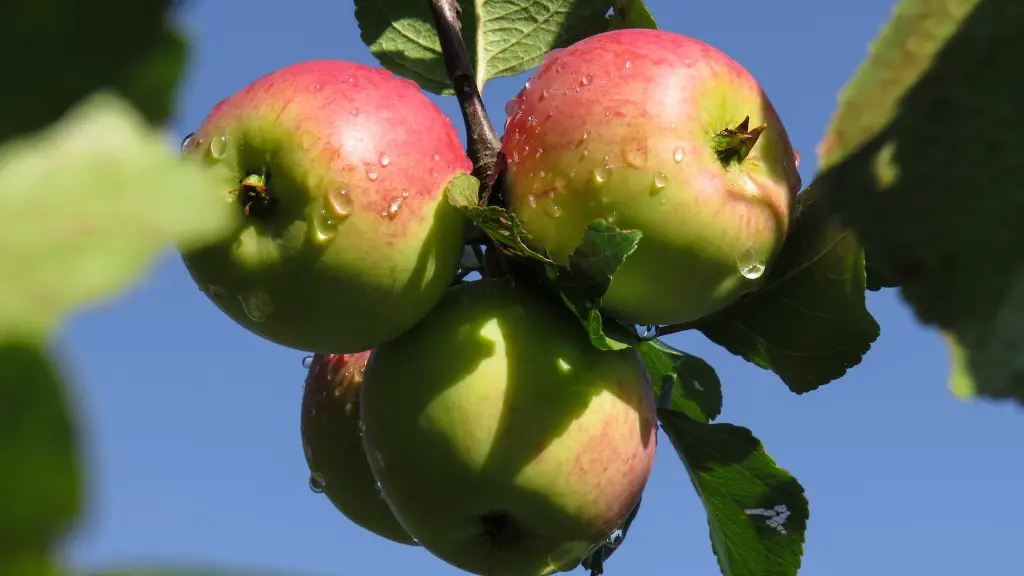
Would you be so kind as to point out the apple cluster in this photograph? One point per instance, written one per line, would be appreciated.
(476, 418)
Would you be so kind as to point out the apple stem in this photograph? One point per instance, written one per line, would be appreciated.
(483, 143)
(254, 195)
(734, 144)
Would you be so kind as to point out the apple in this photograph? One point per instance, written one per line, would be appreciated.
(333, 445)
(504, 442)
(345, 235)
(653, 131)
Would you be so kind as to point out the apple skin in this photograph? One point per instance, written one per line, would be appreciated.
(333, 445)
(310, 267)
(505, 443)
(620, 126)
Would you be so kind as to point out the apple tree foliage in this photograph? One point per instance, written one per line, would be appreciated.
(916, 191)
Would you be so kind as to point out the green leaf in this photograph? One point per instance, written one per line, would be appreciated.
(757, 511)
(503, 37)
(693, 385)
(87, 205)
(498, 223)
(632, 14)
(584, 281)
(41, 489)
(83, 47)
(921, 160)
(809, 322)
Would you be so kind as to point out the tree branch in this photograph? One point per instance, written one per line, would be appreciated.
(483, 145)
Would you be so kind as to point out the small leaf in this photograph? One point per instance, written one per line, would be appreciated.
(921, 159)
(463, 191)
(585, 280)
(632, 14)
(695, 388)
(41, 489)
(757, 511)
(503, 38)
(809, 323)
(87, 47)
(87, 205)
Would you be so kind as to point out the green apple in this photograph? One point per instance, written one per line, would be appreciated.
(654, 131)
(333, 445)
(505, 443)
(339, 171)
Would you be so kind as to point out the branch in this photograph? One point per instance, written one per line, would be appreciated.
(483, 140)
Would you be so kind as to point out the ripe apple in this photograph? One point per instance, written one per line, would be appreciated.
(333, 444)
(339, 171)
(657, 132)
(505, 442)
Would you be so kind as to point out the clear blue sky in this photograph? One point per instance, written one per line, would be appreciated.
(192, 424)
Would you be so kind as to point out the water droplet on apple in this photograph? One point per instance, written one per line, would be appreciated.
(751, 266)
(437, 157)
(257, 306)
(371, 172)
(318, 87)
(612, 218)
(354, 111)
(384, 159)
(660, 181)
(586, 80)
(583, 138)
(544, 94)
(219, 146)
(629, 64)
(677, 155)
(552, 210)
(317, 483)
(324, 227)
(307, 361)
(688, 63)
(511, 107)
(186, 142)
(601, 175)
(338, 205)
(349, 79)
(394, 205)
(532, 201)
(216, 293)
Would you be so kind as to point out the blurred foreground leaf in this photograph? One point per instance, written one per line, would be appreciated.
(88, 205)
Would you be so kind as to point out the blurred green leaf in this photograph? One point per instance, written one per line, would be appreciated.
(87, 205)
(41, 483)
(757, 511)
(809, 323)
(921, 160)
(503, 37)
(59, 51)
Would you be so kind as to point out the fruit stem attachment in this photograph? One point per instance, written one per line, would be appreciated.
(483, 143)
(254, 195)
(734, 144)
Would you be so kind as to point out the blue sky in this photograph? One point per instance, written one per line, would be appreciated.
(192, 424)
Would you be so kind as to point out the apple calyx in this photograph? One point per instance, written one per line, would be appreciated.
(254, 195)
(499, 529)
(734, 144)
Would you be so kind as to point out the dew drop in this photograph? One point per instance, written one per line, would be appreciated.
(317, 483)
(394, 205)
(257, 306)
(511, 107)
(629, 64)
(660, 181)
(384, 159)
(324, 227)
(354, 111)
(552, 210)
(583, 138)
(338, 205)
(219, 146)
(349, 79)
(586, 80)
(186, 142)
(437, 157)
(371, 172)
(544, 94)
(532, 201)
(600, 175)
(677, 155)
(307, 361)
(751, 267)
